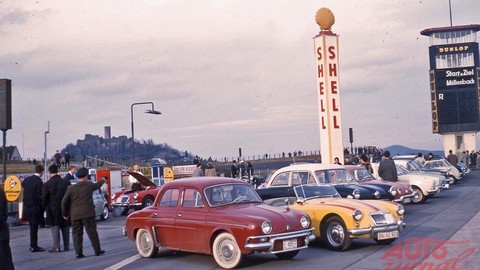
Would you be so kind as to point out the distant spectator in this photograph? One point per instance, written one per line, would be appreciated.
(198, 170)
(210, 170)
(58, 159)
(364, 162)
(234, 169)
(67, 159)
(387, 169)
(249, 169)
(430, 156)
(336, 160)
(420, 159)
(241, 169)
(347, 161)
(473, 160)
(452, 158)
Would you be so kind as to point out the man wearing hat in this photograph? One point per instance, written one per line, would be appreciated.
(52, 194)
(77, 205)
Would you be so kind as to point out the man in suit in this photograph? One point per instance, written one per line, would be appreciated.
(32, 203)
(52, 194)
(77, 205)
(6, 261)
(71, 173)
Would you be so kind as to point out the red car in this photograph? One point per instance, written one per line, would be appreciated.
(220, 216)
(399, 192)
(135, 199)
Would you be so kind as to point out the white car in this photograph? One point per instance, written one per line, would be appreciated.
(437, 164)
(414, 167)
(443, 164)
(423, 186)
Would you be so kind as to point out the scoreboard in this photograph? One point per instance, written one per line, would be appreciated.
(455, 91)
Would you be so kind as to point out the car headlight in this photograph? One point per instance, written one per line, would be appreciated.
(400, 209)
(305, 222)
(357, 214)
(356, 194)
(376, 194)
(393, 191)
(266, 227)
(135, 195)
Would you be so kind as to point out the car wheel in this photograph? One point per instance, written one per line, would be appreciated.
(336, 234)
(147, 201)
(105, 213)
(385, 241)
(145, 244)
(418, 196)
(287, 255)
(452, 179)
(226, 252)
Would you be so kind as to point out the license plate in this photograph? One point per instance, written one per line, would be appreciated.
(289, 244)
(387, 235)
(407, 200)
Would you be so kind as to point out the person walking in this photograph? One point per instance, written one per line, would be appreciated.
(32, 205)
(78, 207)
(234, 169)
(52, 194)
(67, 159)
(473, 160)
(387, 169)
(210, 170)
(6, 261)
(134, 184)
(58, 159)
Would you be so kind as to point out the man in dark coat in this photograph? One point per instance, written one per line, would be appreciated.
(71, 173)
(52, 194)
(387, 169)
(77, 205)
(32, 203)
(6, 262)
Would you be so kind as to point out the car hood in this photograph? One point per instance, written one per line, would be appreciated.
(400, 186)
(363, 205)
(278, 216)
(142, 179)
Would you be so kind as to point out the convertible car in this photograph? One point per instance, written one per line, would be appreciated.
(220, 216)
(135, 199)
(338, 221)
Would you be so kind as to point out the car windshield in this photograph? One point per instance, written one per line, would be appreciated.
(414, 166)
(401, 170)
(334, 176)
(307, 192)
(436, 164)
(230, 194)
(361, 174)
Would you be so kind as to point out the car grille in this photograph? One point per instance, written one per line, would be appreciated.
(382, 219)
(123, 199)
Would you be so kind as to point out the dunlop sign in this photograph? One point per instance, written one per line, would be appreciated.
(13, 188)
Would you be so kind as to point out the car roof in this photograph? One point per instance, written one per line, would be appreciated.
(309, 167)
(202, 182)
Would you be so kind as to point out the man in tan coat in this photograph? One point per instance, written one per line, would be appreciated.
(77, 205)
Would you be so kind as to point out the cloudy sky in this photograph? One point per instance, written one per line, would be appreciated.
(224, 73)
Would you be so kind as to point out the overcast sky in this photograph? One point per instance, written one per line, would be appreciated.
(225, 74)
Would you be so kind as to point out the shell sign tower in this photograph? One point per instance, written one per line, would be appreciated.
(328, 91)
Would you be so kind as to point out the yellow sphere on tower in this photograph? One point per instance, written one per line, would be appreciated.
(325, 18)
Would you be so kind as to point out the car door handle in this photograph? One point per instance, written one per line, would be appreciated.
(179, 215)
(155, 214)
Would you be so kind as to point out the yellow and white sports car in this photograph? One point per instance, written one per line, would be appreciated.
(338, 221)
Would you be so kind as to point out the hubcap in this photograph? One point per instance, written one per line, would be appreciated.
(337, 234)
(227, 250)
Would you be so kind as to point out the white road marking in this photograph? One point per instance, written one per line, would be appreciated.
(123, 263)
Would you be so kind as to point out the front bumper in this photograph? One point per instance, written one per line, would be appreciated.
(124, 202)
(255, 243)
(405, 199)
(434, 190)
(372, 231)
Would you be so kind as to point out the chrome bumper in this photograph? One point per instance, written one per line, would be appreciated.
(268, 245)
(374, 230)
(405, 199)
(435, 190)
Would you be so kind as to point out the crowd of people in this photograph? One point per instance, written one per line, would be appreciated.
(65, 206)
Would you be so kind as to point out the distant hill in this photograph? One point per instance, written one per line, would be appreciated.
(403, 150)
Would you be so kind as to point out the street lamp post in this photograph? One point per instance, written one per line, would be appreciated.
(151, 111)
